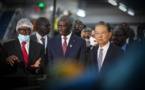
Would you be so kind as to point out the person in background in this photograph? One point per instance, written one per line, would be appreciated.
(43, 28)
(93, 41)
(119, 38)
(78, 26)
(85, 34)
(23, 56)
(130, 32)
(141, 32)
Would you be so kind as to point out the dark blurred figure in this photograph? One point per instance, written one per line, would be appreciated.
(119, 38)
(131, 34)
(123, 25)
(141, 32)
(0, 48)
(78, 26)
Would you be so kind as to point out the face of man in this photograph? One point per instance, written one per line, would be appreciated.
(102, 35)
(44, 27)
(64, 27)
(78, 27)
(119, 37)
(24, 30)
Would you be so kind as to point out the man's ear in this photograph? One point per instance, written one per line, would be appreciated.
(110, 33)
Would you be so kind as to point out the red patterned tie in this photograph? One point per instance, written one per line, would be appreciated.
(64, 45)
(25, 55)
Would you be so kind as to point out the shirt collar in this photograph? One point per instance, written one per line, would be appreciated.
(68, 36)
(39, 36)
(25, 41)
(106, 46)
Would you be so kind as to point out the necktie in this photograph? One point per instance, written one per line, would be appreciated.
(64, 46)
(100, 58)
(43, 41)
(25, 55)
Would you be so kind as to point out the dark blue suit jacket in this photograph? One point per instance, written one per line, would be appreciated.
(113, 54)
(76, 49)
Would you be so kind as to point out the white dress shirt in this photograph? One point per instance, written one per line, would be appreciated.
(105, 49)
(39, 39)
(68, 38)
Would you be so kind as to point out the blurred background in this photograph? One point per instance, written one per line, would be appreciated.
(88, 11)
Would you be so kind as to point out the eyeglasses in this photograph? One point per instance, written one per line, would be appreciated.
(102, 33)
(24, 30)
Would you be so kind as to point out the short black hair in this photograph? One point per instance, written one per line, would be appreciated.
(65, 18)
(105, 24)
(40, 20)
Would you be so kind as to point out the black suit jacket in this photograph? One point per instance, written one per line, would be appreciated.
(76, 49)
(34, 38)
(13, 47)
(113, 54)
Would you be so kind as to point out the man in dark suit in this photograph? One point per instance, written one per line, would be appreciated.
(19, 59)
(66, 45)
(43, 27)
(105, 53)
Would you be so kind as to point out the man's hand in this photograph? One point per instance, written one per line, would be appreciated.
(37, 64)
(12, 59)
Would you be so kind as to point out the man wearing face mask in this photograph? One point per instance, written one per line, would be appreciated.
(85, 34)
(92, 39)
(23, 56)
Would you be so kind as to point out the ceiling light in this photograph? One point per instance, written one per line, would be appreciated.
(122, 7)
(130, 12)
(81, 13)
(113, 2)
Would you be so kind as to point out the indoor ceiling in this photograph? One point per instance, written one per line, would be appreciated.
(136, 5)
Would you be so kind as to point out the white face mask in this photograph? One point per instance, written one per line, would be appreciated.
(87, 42)
(23, 38)
(93, 41)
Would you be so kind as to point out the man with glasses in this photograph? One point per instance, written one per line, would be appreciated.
(105, 53)
(78, 26)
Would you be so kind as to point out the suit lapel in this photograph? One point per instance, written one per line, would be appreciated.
(31, 50)
(18, 49)
(95, 52)
(59, 45)
(108, 55)
(70, 45)
(33, 37)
